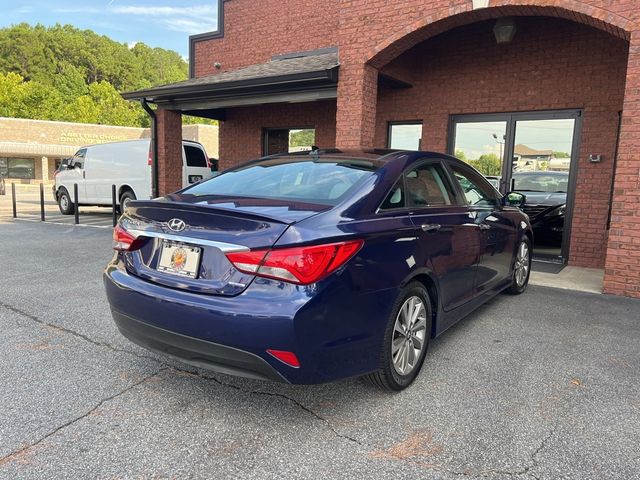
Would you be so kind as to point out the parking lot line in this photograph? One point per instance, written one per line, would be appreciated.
(36, 219)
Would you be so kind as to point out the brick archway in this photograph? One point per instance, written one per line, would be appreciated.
(358, 92)
(448, 18)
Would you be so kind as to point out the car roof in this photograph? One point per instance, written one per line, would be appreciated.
(377, 156)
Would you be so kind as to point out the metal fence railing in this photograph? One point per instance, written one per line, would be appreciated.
(32, 205)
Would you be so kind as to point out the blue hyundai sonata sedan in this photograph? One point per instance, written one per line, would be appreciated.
(308, 268)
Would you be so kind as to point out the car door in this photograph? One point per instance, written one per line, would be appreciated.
(75, 175)
(497, 231)
(196, 164)
(449, 241)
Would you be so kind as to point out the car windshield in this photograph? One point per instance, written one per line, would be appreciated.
(541, 182)
(322, 181)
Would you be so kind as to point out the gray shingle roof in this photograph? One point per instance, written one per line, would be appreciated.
(274, 68)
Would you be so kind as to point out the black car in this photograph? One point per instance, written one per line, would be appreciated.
(546, 201)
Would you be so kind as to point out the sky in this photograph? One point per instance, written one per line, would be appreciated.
(476, 139)
(158, 23)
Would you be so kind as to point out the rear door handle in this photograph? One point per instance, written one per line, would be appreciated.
(431, 227)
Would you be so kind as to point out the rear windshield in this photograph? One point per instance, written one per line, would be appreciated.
(323, 181)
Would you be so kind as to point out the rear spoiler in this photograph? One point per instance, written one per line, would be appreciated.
(190, 207)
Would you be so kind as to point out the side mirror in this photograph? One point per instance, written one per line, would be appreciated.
(514, 199)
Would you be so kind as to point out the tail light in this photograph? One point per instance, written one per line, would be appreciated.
(123, 240)
(299, 265)
(288, 358)
(150, 157)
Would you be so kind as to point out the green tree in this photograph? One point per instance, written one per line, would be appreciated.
(302, 138)
(65, 73)
(487, 164)
(461, 155)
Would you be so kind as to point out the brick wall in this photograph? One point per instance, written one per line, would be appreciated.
(241, 134)
(256, 30)
(372, 33)
(169, 151)
(551, 64)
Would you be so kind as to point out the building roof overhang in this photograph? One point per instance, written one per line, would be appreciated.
(304, 78)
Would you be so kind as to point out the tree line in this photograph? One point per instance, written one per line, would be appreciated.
(67, 74)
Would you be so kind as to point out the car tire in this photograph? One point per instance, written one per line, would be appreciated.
(390, 375)
(521, 268)
(125, 198)
(66, 206)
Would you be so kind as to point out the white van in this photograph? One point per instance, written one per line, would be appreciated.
(127, 165)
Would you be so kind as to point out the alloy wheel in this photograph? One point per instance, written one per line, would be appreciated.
(409, 332)
(64, 202)
(523, 263)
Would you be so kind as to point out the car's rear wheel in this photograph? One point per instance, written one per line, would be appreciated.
(405, 340)
(521, 268)
(65, 204)
(125, 198)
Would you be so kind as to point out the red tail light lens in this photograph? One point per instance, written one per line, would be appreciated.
(288, 358)
(123, 240)
(299, 265)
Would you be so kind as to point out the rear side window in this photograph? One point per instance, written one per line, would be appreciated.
(426, 187)
(195, 156)
(395, 198)
(324, 181)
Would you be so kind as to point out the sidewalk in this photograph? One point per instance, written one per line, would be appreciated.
(571, 278)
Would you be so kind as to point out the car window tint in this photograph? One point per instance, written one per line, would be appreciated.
(324, 182)
(396, 197)
(195, 156)
(425, 187)
(477, 190)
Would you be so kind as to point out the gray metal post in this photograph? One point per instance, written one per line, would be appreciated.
(41, 202)
(113, 205)
(13, 199)
(75, 201)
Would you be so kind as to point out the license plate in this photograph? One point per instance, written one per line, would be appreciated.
(179, 259)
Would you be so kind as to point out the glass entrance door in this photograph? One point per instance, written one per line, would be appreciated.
(533, 153)
(540, 168)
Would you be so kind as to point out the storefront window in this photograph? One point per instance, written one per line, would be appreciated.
(405, 135)
(18, 168)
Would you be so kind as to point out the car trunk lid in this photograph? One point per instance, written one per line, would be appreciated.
(196, 233)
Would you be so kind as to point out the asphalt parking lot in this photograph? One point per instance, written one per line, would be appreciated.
(545, 385)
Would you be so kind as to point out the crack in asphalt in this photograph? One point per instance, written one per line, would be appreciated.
(484, 473)
(11, 456)
(278, 395)
(73, 333)
(167, 366)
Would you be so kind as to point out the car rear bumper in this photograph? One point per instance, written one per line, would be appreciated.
(334, 331)
(196, 352)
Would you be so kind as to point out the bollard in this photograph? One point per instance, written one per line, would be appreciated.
(113, 205)
(75, 202)
(13, 199)
(41, 203)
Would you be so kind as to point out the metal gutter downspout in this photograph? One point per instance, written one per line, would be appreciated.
(154, 146)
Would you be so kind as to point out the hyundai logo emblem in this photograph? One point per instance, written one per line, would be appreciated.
(176, 225)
